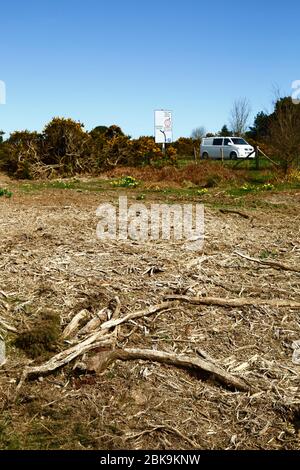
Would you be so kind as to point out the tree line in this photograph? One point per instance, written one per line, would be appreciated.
(278, 131)
(65, 148)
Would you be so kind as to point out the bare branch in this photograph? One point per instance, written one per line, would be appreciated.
(239, 116)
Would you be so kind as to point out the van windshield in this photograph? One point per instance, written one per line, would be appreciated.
(239, 141)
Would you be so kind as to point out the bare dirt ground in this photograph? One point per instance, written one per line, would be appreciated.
(51, 259)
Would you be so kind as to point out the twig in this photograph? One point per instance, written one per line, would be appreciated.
(166, 428)
(179, 360)
(7, 326)
(140, 313)
(116, 316)
(232, 211)
(273, 264)
(238, 302)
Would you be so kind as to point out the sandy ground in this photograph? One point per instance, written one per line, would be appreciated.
(51, 259)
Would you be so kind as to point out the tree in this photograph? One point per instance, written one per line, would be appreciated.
(285, 132)
(239, 116)
(198, 133)
(261, 127)
(98, 131)
(225, 132)
(1, 136)
(113, 131)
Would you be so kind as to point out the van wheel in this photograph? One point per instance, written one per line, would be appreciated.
(233, 156)
(205, 155)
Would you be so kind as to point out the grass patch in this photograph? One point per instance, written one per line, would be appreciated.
(8, 439)
(5, 193)
(79, 185)
(264, 254)
(125, 182)
(242, 190)
(258, 177)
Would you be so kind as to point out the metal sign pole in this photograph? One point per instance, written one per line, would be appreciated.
(163, 128)
(164, 143)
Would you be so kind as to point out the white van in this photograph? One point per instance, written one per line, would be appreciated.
(226, 147)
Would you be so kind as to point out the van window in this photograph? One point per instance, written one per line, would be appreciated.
(227, 141)
(238, 141)
(218, 142)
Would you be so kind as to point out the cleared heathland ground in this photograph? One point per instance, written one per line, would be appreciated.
(51, 261)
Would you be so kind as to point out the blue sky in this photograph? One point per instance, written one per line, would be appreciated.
(115, 62)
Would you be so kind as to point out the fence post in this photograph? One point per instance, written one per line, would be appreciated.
(222, 154)
(195, 154)
(256, 157)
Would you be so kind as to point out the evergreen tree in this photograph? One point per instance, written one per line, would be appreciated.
(225, 132)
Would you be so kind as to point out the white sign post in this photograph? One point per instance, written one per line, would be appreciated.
(163, 127)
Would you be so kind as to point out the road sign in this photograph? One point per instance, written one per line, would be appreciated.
(163, 126)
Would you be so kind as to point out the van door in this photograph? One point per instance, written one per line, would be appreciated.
(216, 148)
(227, 148)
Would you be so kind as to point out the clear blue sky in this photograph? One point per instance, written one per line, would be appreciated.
(104, 62)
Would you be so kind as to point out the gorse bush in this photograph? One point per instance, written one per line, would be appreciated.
(64, 148)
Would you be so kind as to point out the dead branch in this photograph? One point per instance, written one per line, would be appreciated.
(140, 313)
(232, 211)
(117, 310)
(74, 323)
(94, 341)
(94, 323)
(100, 338)
(238, 302)
(272, 264)
(2, 352)
(179, 360)
(116, 316)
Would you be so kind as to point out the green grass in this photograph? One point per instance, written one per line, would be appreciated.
(91, 185)
(184, 160)
(256, 181)
(250, 164)
(251, 188)
(264, 254)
